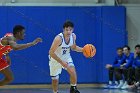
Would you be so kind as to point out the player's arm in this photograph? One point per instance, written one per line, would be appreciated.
(74, 47)
(57, 41)
(16, 46)
(8, 59)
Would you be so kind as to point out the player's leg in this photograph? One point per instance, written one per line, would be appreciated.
(125, 73)
(73, 75)
(137, 78)
(55, 70)
(118, 75)
(111, 75)
(116, 78)
(111, 71)
(8, 76)
(137, 75)
(55, 82)
(131, 76)
(73, 78)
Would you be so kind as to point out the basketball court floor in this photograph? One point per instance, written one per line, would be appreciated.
(82, 90)
(42, 89)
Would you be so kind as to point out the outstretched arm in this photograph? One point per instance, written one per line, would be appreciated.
(16, 46)
(74, 47)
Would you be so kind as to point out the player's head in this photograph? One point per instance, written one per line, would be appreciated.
(137, 49)
(18, 32)
(119, 51)
(126, 50)
(68, 27)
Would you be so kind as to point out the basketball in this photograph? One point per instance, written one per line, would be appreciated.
(89, 50)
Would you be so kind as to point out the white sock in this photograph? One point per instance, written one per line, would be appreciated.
(73, 84)
(110, 82)
(55, 92)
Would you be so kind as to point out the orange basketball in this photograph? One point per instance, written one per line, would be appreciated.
(89, 50)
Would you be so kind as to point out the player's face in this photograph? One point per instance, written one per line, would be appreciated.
(137, 50)
(68, 31)
(21, 34)
(126, 51)
(119, 52)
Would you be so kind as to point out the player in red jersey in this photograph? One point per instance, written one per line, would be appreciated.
(8, 43)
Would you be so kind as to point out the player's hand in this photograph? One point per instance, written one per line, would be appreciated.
(108, 66)
(122, 66)
(36, 41)
(64, 64)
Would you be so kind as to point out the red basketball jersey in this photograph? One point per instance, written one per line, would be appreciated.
(4, 49)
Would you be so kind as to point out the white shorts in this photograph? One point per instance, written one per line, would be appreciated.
(56, 68)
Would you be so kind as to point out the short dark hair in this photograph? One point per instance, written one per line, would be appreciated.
(17, 28)
(119, 48)
(68, 24)
(138, 45)
(126, 46)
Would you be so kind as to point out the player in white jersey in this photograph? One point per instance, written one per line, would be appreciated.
(60, 57)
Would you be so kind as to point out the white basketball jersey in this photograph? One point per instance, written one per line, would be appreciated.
(63, 51)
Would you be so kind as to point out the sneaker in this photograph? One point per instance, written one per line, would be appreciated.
(120, 85)
(125, 85)
(132, 86)
(107, 86)
(74, 90)
(115, 86)
(112, 86)
(138, 88)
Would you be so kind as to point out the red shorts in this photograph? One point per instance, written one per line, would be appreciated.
(3, 64)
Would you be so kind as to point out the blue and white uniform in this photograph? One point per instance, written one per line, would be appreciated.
(63, 52)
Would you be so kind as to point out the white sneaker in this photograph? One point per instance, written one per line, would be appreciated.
(116, 83)
(125, 85)
(138, 88)
(120, 85)
(116, 86)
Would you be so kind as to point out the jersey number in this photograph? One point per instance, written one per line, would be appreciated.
(64, 52)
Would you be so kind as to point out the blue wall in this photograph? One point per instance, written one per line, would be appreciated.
(103, 27)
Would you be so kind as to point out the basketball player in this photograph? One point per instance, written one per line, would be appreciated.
(60, 57)
(136, 67)
(7, 43)
(125, 68)
(116, 64)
